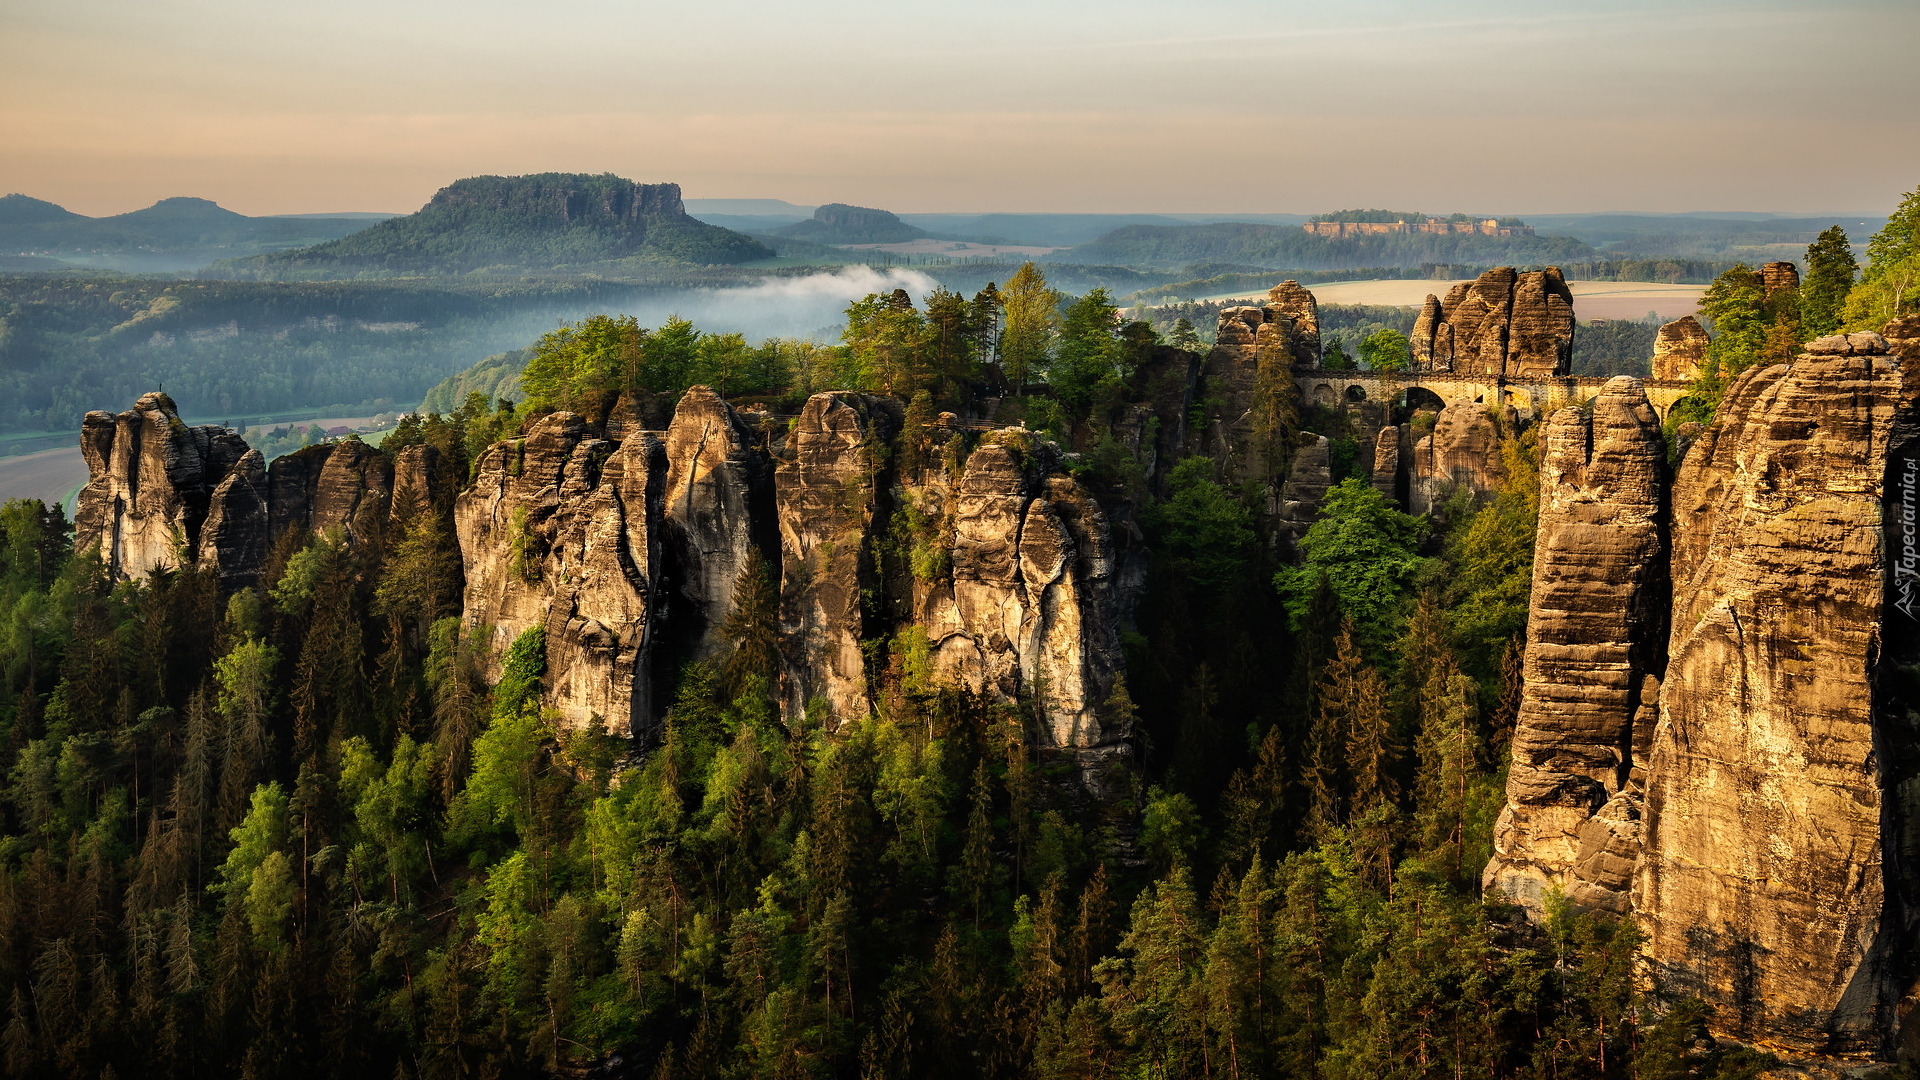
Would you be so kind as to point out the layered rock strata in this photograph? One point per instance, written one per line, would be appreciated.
(1753, 792)
(1679, 350)
(563, 530)
(1247, 372)
(1297, 306)
(151, 482)
(1390, 455)
(1762, 882)
(1298, 500)
(1506, 323)
(1593, 656)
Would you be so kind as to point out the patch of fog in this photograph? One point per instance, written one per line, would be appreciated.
(813, 306)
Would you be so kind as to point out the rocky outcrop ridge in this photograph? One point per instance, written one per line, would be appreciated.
(1297, 306)
(1027, 609)
(1679, 350)
(344, 485)
(1505, 323)
(1593, 656)
(1746, 797)
(151, 482)
(563, 530)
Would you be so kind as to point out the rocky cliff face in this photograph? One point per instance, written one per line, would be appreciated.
(719, 512)
(1254, 351)
(151, 484)
(832, 494)
(1679, 350)
(1302, 314)
(345, 485)
(1747, 797)
(563, 530)
(235, 540)
(1028, 608)
(1593, 656)
(1463, 450)
(1762, 879)
(1505, 323)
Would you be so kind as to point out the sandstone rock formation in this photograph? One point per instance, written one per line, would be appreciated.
(1390, 455)
(1594, 652)
(346, 485)
(1289, 300)
(1505, 323)
(1248, 370)
(1463, 450)
(1028, 607)
(418, 482)
(1306, 488)
(1761, 883)
(719, 512)
(563, 530)
(151, 482)
(831, 494)
(1679, 350)
(234, 541)
(1777, 278)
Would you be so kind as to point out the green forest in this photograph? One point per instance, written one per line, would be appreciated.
(298, 829)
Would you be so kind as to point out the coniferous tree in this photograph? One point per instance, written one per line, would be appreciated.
(1830, 272)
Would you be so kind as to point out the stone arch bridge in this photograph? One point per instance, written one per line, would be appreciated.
(1532, 396)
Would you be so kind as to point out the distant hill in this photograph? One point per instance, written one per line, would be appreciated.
(838, 223)
(540, 222)
(172, 234)
(19, 209)
(1289, 247)
(1752, 238)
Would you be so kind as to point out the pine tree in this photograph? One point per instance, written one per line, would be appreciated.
(1032, 315)
(1823, 294)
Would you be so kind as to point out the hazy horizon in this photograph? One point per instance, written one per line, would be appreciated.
(1219, 107)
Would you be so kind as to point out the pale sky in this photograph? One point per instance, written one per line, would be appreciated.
(1207, 106)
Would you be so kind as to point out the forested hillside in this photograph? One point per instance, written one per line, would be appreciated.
(1278, 246)
(543, 222)
(171, 235)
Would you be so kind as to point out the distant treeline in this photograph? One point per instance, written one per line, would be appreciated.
(1285, 245)
(79, 341)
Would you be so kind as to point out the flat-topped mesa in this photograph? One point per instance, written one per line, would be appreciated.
(831, 495)
(1506, 323)
(563, 531)
(151, 482)
(1775, 774)
(1679, 350)
(1028, 607)
(719, 514)
(1594, 654)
